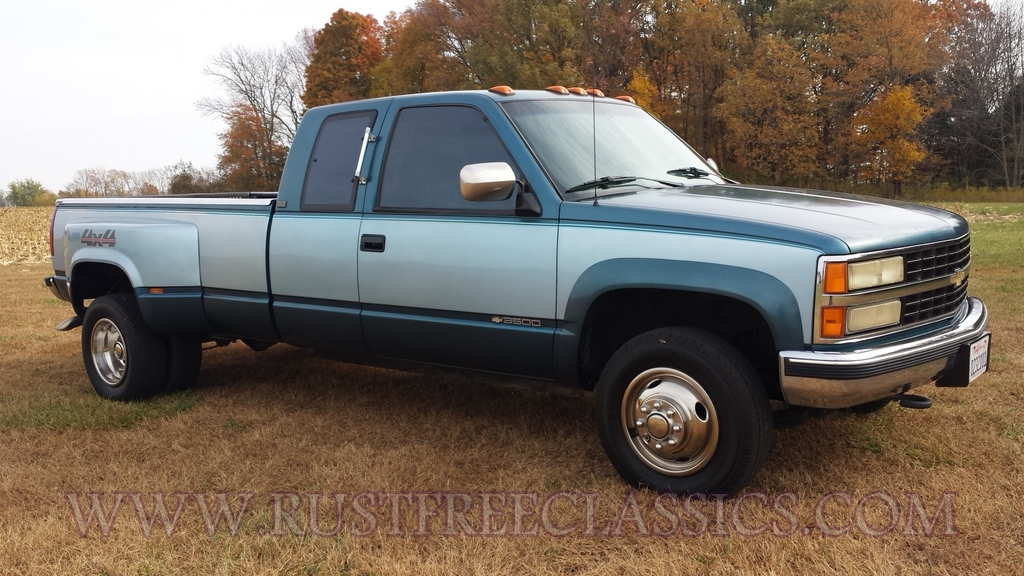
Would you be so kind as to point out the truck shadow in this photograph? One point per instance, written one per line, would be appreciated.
(475, 423)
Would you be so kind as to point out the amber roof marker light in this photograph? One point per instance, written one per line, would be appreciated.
(626, 99)
(557, 89)
(595, 92)
(578, 91)
(503, 90)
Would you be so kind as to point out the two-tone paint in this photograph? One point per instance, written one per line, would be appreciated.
(269, 271)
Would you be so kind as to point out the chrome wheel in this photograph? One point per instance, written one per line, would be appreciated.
(669, 421)
(109, 353)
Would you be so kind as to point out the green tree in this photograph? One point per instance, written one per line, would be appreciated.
(184, 178)
(345, 51)
(29, 192)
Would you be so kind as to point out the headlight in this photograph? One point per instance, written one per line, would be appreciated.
(861, 318)
(841, 277)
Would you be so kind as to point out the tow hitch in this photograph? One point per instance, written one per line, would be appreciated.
(913, 401)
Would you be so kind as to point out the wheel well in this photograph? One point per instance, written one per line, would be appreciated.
(616, 317)
(94, 279)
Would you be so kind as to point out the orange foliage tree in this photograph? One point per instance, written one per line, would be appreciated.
(886, 130)
(250, 159)
(344, 53)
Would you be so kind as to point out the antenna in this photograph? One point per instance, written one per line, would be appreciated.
(593, 102)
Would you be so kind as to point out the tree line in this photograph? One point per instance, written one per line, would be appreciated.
(823, 93)
(809, 92)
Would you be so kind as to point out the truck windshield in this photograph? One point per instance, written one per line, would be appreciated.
(630, 144)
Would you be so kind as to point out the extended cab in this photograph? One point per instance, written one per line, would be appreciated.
(552, 235)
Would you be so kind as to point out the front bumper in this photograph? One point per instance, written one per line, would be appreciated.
(60, 287)
(844, 379)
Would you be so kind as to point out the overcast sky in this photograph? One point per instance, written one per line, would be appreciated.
(113, 83)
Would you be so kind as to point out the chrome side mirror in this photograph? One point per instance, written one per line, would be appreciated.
(713, 164)
(487, 182)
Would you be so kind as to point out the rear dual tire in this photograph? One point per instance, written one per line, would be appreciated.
(125, 360)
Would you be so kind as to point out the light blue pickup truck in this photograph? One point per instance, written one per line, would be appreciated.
(554, 235)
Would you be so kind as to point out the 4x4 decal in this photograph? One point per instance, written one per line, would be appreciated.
(91, 238)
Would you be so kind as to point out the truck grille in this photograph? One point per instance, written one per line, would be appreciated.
(932, 304)
(937, 261)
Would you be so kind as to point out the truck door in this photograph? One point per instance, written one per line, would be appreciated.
(444, 280)
(313, 245)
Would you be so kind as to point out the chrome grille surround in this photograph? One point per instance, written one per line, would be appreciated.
(934, 286)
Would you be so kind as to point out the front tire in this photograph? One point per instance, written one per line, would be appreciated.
(681, 410)
(124, 359)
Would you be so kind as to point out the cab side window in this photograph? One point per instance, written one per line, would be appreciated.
(329, 183)
(429, 147)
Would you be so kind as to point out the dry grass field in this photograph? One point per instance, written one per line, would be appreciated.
(261, 427)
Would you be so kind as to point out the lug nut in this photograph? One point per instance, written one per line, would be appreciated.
(639, 423)
(658, 446)
(670, 412)
(657, 405)
(643, 409)
(671, 441)
(676, 427)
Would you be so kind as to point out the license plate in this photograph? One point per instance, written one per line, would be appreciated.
(979, 358)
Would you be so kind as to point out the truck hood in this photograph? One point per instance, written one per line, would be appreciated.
(833, 222)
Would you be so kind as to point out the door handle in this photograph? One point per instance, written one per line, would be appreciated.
(371, 243)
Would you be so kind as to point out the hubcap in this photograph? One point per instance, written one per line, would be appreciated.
(109, 354)
(669, 421)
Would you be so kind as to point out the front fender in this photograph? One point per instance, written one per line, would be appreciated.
(768, 295)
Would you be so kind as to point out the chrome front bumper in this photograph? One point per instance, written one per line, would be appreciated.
(844, 379)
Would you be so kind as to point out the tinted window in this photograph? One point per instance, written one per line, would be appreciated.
(429, 146)
(329, 179)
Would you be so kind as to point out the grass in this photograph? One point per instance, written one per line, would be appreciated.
(285, 420)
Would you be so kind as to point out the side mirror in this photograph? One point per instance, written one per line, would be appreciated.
(487, 182)
(713, 164)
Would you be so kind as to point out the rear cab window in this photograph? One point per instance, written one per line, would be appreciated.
(331, 184)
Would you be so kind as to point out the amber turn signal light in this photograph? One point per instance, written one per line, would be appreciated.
(835, 277)
(833, 322)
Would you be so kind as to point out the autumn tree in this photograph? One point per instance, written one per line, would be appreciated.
(345, 51)
(886, 130)
(691, 49)
(416, 59)
(767, 111)
(857, 50)
(611, 43)
(270, 82)
(29, 192)
(250, 159)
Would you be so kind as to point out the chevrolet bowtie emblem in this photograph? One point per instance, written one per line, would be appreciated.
(496, 319)
(958, 277)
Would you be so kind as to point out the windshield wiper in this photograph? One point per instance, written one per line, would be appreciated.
(691, 172)
(602, 183)
(606, 182)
